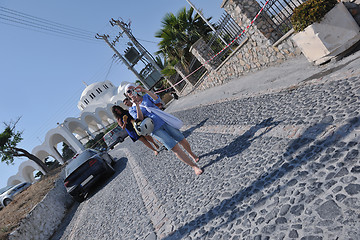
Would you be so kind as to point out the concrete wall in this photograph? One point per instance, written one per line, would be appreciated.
(46, 216)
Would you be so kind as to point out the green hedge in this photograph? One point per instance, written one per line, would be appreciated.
(309, 12)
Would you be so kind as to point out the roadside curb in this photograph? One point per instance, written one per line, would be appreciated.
(43, 220)
(162, 224)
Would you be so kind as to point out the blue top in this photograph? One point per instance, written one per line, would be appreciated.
(148, 102)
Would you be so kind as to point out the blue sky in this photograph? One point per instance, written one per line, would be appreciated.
(42, 74)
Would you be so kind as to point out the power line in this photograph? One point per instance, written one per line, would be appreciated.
(42, 27)
(53, 34)
(68, 106)
(146, 41)
(15, 18)
(14, 12)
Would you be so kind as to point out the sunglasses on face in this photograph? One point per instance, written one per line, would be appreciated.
(129, 91)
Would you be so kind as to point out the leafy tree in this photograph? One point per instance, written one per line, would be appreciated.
(51, 164)
(9, 140)
(97, 142)
(167, 69)
(179, 32)
(67, 153)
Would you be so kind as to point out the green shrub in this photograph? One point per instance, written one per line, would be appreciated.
(309, 12)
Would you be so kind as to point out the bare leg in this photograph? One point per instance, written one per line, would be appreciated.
(143, 139)
(187, 147)
(183, 157)
(150, 139)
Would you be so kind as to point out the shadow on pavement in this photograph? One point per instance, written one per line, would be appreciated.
(241, 143)
(119, 166)
(278, 170)
(190, 130)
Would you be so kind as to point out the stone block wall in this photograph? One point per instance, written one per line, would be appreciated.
(46, 216)
(256, 53)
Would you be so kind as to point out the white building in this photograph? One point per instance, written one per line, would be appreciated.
(95, 115)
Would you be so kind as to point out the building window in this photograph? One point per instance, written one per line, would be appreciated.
(98, 90)
(105, 86)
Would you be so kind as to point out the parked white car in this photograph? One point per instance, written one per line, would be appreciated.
(7, 194)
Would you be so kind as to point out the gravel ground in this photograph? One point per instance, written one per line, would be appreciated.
(277, 165)
(114, 210)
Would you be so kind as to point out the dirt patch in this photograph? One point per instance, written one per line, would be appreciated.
(11, 215)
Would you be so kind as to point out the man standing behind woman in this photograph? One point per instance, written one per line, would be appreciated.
(124, 120)
(166, 134)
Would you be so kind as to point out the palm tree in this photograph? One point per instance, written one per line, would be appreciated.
(178, 34)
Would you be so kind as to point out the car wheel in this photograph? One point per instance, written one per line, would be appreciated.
(7, 201)
(78, 198)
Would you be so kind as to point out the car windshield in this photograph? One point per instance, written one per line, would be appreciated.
(2, 190)
(109, 137)
(79, 160)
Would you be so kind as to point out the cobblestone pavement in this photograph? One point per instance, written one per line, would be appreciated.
(114, 210)
(282, 165)
(277, 165)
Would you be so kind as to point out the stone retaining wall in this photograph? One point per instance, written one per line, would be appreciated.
(46, 216)
(258, 51)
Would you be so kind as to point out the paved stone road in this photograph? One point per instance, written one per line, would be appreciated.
(277, 165)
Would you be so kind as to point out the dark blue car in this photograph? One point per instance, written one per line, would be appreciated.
(86, 169)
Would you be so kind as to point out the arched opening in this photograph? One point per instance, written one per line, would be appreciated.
(93, 123)
(28, 173)
(52, 164)
(80, 131)
(106, 119)
(57, 144)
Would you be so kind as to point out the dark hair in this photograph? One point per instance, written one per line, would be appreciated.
(116, 114)
(126, 99)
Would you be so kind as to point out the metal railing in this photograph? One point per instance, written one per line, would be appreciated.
(227, 30)
(278, 14)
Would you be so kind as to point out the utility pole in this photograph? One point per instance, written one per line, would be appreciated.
(125, 28)
(105, 38)
(206, 21)
(143, 52)
(151, 73)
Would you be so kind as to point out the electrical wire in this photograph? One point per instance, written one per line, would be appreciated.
(68, 106)
(42, 27)
(16, 18)
(53, 34)
(26, 21)
(17, 13)
(146, 41)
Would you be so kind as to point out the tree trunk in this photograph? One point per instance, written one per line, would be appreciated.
(33, 158)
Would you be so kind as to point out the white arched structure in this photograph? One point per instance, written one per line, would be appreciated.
(25, 173)
(43, 151)
(78, 127)
(105, 116)
(95, 105)
(93, 122)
